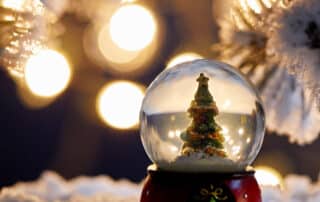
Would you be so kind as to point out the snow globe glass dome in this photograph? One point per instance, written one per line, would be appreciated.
(202, 116)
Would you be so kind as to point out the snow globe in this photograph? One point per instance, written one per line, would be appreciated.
(202, 125)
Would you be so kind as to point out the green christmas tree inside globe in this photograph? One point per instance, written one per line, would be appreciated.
(204, 134)
(202, 116)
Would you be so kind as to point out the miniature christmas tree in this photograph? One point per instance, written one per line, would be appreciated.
(204, 134)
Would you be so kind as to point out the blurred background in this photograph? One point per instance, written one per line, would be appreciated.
(100, 56)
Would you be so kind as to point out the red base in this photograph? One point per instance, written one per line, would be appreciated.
(165, 186)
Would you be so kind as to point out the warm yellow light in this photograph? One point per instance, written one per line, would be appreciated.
(268, 3)
(128, 1)
(255, 6)
(226, 104)
(112, 52)
(174, 148)
(183, 57)
(244, 5)
(174, 134)
(171, 134)
(225, 130)
(240, 131)
(47, 73)
(132, 27)
(118, 104)
(13, 4)
(268, 176)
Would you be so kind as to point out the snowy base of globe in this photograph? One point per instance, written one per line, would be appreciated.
(201, 162)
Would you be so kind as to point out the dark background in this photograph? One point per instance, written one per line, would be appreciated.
(67, 136)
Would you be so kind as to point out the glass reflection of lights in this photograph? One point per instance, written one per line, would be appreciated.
(183, 57)
(241, 131)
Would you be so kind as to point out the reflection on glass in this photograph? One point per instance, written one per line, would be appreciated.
(183, 57)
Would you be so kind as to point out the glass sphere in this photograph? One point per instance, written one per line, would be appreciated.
(202, 116)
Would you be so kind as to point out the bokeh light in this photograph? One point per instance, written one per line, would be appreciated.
(268, 3)
(111, 51)
(118, 104)
(183, 57)
(268, 176)
(254, 5)
(13, 4)
(128, 1)
(47, 73)
(102, 48)
(132, 27)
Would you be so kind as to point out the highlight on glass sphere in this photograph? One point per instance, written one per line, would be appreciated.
(183, 57)
(202, 116)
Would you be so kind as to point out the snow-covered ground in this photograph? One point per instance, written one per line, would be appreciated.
(52, 188)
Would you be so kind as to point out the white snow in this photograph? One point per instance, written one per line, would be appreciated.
(52, 188)
(201, 162)
(296, 189)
